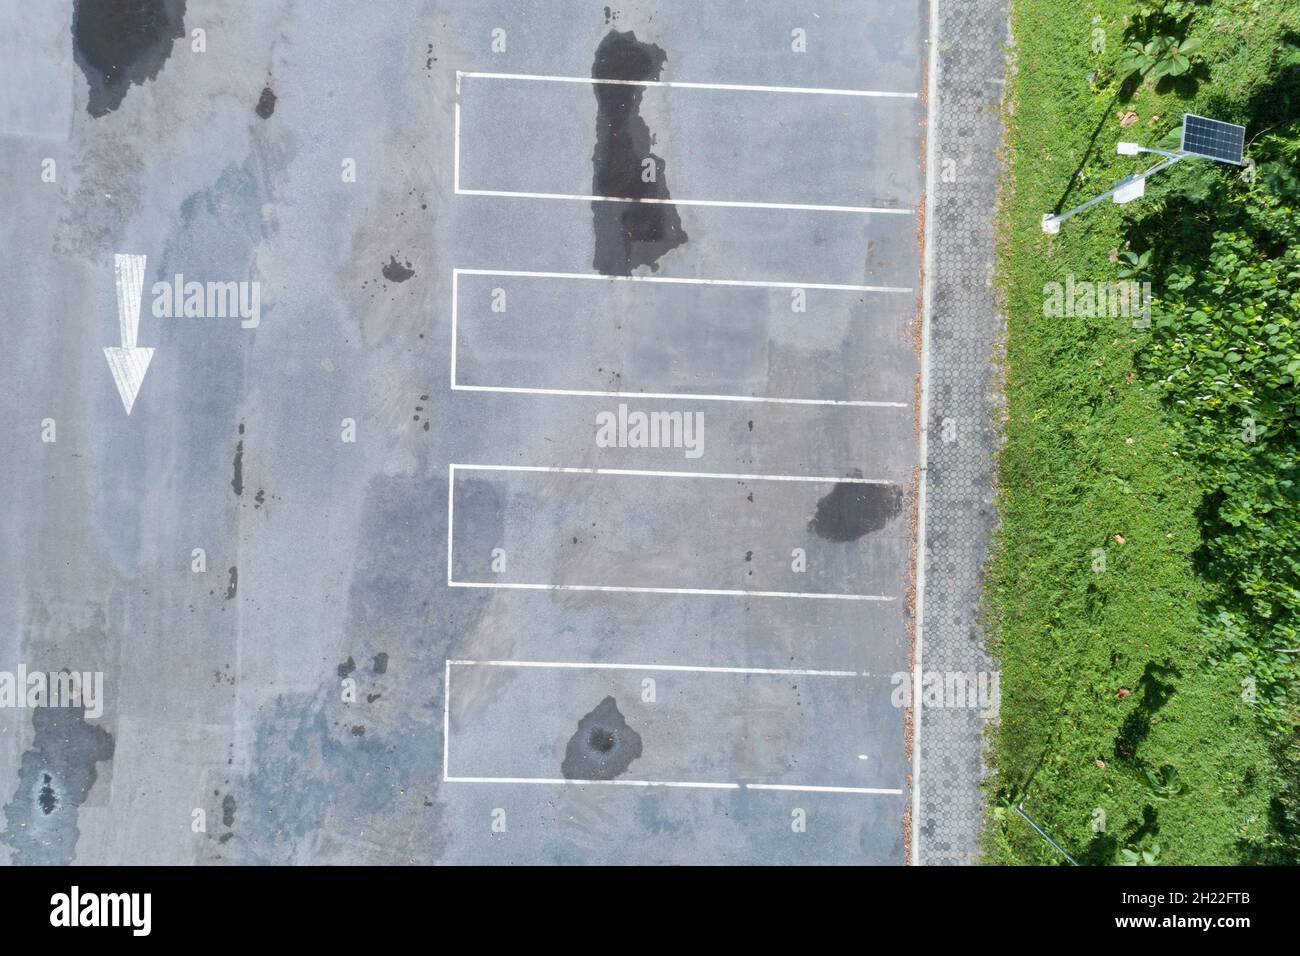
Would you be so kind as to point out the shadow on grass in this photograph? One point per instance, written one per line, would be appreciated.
(1103, 848)
(1161, 23)
(1087, 153)
(1283, 822)
(1155, 688)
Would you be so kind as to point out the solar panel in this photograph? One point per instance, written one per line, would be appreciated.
(1213, 139)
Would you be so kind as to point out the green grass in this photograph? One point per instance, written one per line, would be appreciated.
(1102, 671)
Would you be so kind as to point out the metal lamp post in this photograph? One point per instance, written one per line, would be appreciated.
(1203, 138)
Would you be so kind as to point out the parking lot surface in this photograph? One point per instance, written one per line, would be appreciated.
(558, 504)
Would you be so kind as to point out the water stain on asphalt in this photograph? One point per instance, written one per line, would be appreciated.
(265, 103)
(120, 42)
(395, 271)
(228, 810)
(603, 747)
(314, 784)
(55, 777)
(852, 510)
(628, 234)
(48, 799)
(237, 483)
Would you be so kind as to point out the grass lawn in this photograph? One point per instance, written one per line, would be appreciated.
(1093, 596)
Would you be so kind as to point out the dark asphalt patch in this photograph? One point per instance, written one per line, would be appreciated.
(237, 482)
(628, 234)
(228, 810)
(265, 103)
(48, 799)
(395, 271)
(852, 510)
(53, 781)
(603, 747)
(311, 776)
(120, 42)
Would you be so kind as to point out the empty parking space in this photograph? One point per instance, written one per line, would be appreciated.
(840, 150)
(759, 245)
(671, 726)
(677, 532)
(696, 630)
(864, 44)
(714, 339)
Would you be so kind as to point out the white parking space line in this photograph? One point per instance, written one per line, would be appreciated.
(679, 784)
(704, 592)
(446, 716)
(739, 87)
(683, 280)
(683, 784)
(620, 782)
(636, 473)
(806, 789)
(672, 201)
(685, 668)
(685, 396)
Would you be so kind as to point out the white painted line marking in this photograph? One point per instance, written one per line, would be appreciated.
(683, 280)
(446, 716)
(800, 787)
(451, 517)
(681, 84)
(679, 784)
(674, 201)
(683, 396)
(636, 473)
(566, 781)
(455, 334)
(707, 592)
(455, 168)
(595, 665)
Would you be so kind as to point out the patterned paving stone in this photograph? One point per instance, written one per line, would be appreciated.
(965, 330)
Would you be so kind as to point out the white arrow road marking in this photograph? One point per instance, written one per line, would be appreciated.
(130, 284)
(128, 363)
(128, 367)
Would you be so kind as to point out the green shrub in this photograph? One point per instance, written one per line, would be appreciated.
(1225, 351)
(1160, 57)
